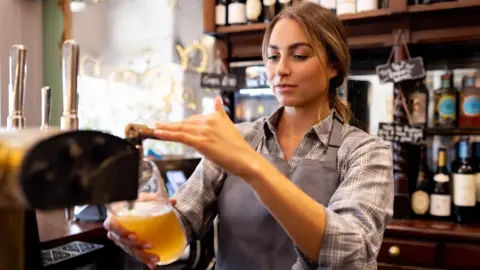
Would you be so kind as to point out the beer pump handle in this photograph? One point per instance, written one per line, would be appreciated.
(16, 87)
(70, 55)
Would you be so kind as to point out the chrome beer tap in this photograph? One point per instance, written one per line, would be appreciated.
(46, 104)
(69, 119)
(16, 87)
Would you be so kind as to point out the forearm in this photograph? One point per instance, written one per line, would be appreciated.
(302, 217)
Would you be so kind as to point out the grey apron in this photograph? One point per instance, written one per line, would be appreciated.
(249, 237)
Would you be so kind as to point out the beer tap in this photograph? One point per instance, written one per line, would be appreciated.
(46, 104)
(69, 119)
(16, 87)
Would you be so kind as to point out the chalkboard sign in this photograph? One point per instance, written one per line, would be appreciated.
(410, 69)
(225, 82)
(400, 133)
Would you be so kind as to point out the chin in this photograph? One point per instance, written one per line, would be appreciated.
(291, 101)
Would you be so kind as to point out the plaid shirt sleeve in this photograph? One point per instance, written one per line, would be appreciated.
(359, 210)
(197, 201)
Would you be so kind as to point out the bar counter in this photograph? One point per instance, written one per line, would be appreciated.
(414, 243)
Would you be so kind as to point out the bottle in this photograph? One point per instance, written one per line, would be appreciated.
(440, 198)
(420, 201)
(237, 12)
(330, 4)
(464, 185)
(269, 10)
(469, 109)
(445, 114)
(284, 4)
(476, 162)
(346, 6)
(367, 5)
(418, 103)
(221, 12)
(253, 10)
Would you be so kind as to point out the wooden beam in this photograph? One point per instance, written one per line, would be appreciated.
(209, 16)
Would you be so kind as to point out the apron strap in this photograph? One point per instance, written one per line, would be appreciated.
(257, 137)
(335, 137)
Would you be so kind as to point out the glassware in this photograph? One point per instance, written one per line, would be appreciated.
(151, 216)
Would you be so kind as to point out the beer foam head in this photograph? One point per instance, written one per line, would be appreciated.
(146, 209)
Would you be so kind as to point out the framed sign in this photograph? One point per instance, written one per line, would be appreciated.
(410, 69)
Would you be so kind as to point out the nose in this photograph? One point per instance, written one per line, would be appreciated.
(283, 67)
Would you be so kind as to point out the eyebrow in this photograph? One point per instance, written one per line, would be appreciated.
(291, 46)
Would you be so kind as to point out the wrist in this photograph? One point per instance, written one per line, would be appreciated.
(256, 164)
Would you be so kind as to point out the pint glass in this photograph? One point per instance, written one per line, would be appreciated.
(152, 217)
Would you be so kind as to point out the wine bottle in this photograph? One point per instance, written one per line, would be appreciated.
(330, 4)
(464, 185)
(237, 12)
(269, 10)
(221, 12)
(445, 114)
(476, 162)
(254, 10)
(440, 198)
(284, 4)
(420, 201)
(346, 7)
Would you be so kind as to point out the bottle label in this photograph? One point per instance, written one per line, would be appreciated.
(419, 112)
(254, 9)
(284, 1)
(446, 106)
(471, 106)
(220, 15)
(366, 5)
(464, 189)
(478, 186)
(440, 177)
(236, 13)
(440, 205)
(268, 2)
(420, 202)
(346, 6)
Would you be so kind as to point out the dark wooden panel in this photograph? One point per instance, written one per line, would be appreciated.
(461, 256)
(411, 252)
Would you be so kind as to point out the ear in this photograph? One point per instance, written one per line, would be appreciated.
(332, 71)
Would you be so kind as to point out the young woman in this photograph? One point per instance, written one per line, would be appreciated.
(300, 189)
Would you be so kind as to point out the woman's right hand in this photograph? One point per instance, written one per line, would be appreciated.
(129, 241)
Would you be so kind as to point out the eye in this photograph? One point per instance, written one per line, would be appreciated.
(299, 57)
(273, 57)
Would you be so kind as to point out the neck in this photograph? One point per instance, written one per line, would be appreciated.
(295, 122)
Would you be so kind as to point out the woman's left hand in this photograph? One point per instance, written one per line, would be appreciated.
(214, 136)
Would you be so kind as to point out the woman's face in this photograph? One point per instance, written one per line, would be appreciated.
(296, 73)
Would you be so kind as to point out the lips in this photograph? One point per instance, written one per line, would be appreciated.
(285, 87)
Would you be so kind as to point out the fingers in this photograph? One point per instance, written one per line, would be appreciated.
(173, 201)
(176, 136)
(131, 241)
(219, 105)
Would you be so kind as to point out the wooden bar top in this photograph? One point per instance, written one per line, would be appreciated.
(433, 229)
(54, 230)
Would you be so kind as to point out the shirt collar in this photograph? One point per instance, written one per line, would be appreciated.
(321, 130)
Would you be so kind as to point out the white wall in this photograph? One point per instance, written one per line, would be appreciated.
(21, 23)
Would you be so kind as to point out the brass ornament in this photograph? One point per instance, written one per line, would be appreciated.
(185, 59)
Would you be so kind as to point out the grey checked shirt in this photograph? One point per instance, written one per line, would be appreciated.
(357, 213)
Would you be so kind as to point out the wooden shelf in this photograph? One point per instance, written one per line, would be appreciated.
(444, 6)
(241, 28)
(452, 131)
(365, 15)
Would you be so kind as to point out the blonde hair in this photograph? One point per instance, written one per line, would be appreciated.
(326, 31)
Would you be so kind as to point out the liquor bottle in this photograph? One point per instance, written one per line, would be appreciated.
(440, 198)
(237, 12)
(367, 5)
(464, 185)
(221, 12)
(269, 10)
(420, 201)
(284, 4)
(253, 10)
(330, 4)
(418, 103)
(346, 6)
(469, 105)
(445, 114)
